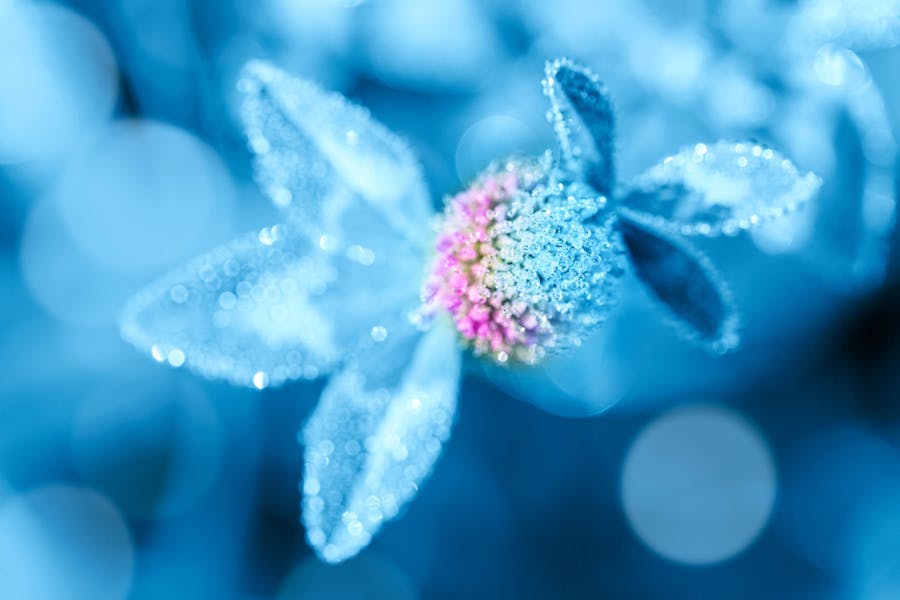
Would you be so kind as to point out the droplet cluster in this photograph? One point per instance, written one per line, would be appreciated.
(370, 443)
(250, 312)
(523, 262)
(720, 188)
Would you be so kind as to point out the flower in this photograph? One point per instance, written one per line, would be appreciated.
(356, 285)
(523, 266)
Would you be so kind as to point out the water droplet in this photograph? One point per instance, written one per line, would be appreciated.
(379, 333)
(260, 380)
(176, 357)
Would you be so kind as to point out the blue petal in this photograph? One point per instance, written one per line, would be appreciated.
(582, 117)
(725, 187)
(374, 438)
(686, 284)
(268, 307)
(317, 155)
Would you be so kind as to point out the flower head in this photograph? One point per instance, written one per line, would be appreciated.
(523, 264)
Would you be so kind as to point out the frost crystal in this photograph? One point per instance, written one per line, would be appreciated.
(724, 187)
(315, 154)
(582, 117)
(374, 439)
(685, 283)
(524, 264)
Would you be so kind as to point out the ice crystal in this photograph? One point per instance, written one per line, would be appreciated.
(723, 187)
(374, 438)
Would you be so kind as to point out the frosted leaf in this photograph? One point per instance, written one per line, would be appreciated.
(722, 188)
(267, 308)
(582, 117)
(684, 281)
(311, 147)
(374, 438)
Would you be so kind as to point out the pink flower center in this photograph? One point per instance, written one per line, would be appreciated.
(463, 276)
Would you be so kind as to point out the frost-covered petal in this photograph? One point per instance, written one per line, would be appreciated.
(582, 117)
(267, 308)
(720, 188)
(684, 281)
(374, 438)
(311, 146)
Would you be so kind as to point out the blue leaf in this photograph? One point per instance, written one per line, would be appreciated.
(316, 155)
(582, 117)
(725, 187)
(269, 307)
(682, 279)
(374, 438)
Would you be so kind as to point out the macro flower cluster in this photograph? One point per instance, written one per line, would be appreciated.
(524, 263)
(363, 282)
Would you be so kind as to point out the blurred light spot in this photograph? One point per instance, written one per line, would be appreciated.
(789, 233)
(58, 80)
(366, 577)
(841, 504)
(736, 100)
(176, 357)
(146, 195)
(317, 24)
(489, 139)
(437, 44)
(161, 29)
(64, 281)
(879, 204)
(594, 377)
(805, 140)
(840, 67)
(157, 353)
(698, 485)
(260, 380)
(879, 146)
(673, 63)
(61, 542)
(155, 449)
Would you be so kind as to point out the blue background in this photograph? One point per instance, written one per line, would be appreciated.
(122, 478)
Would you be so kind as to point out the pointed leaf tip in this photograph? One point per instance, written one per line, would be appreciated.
(316, 153)
(683, 280)
(374, 439)
(582, 117)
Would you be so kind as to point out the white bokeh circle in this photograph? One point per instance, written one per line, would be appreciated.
(698, 485)
(58, 80)
(145, 195)
(61, 542)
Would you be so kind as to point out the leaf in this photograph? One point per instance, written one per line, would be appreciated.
(722, 188)
(317, 155)
(583, 119)
(269, 307)
(375, 437)
(682, 279)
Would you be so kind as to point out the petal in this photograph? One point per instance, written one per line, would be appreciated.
(374, 439)
(682, 279)
(582, 117)
(267, 308)
(311, 147)
(721, 188)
